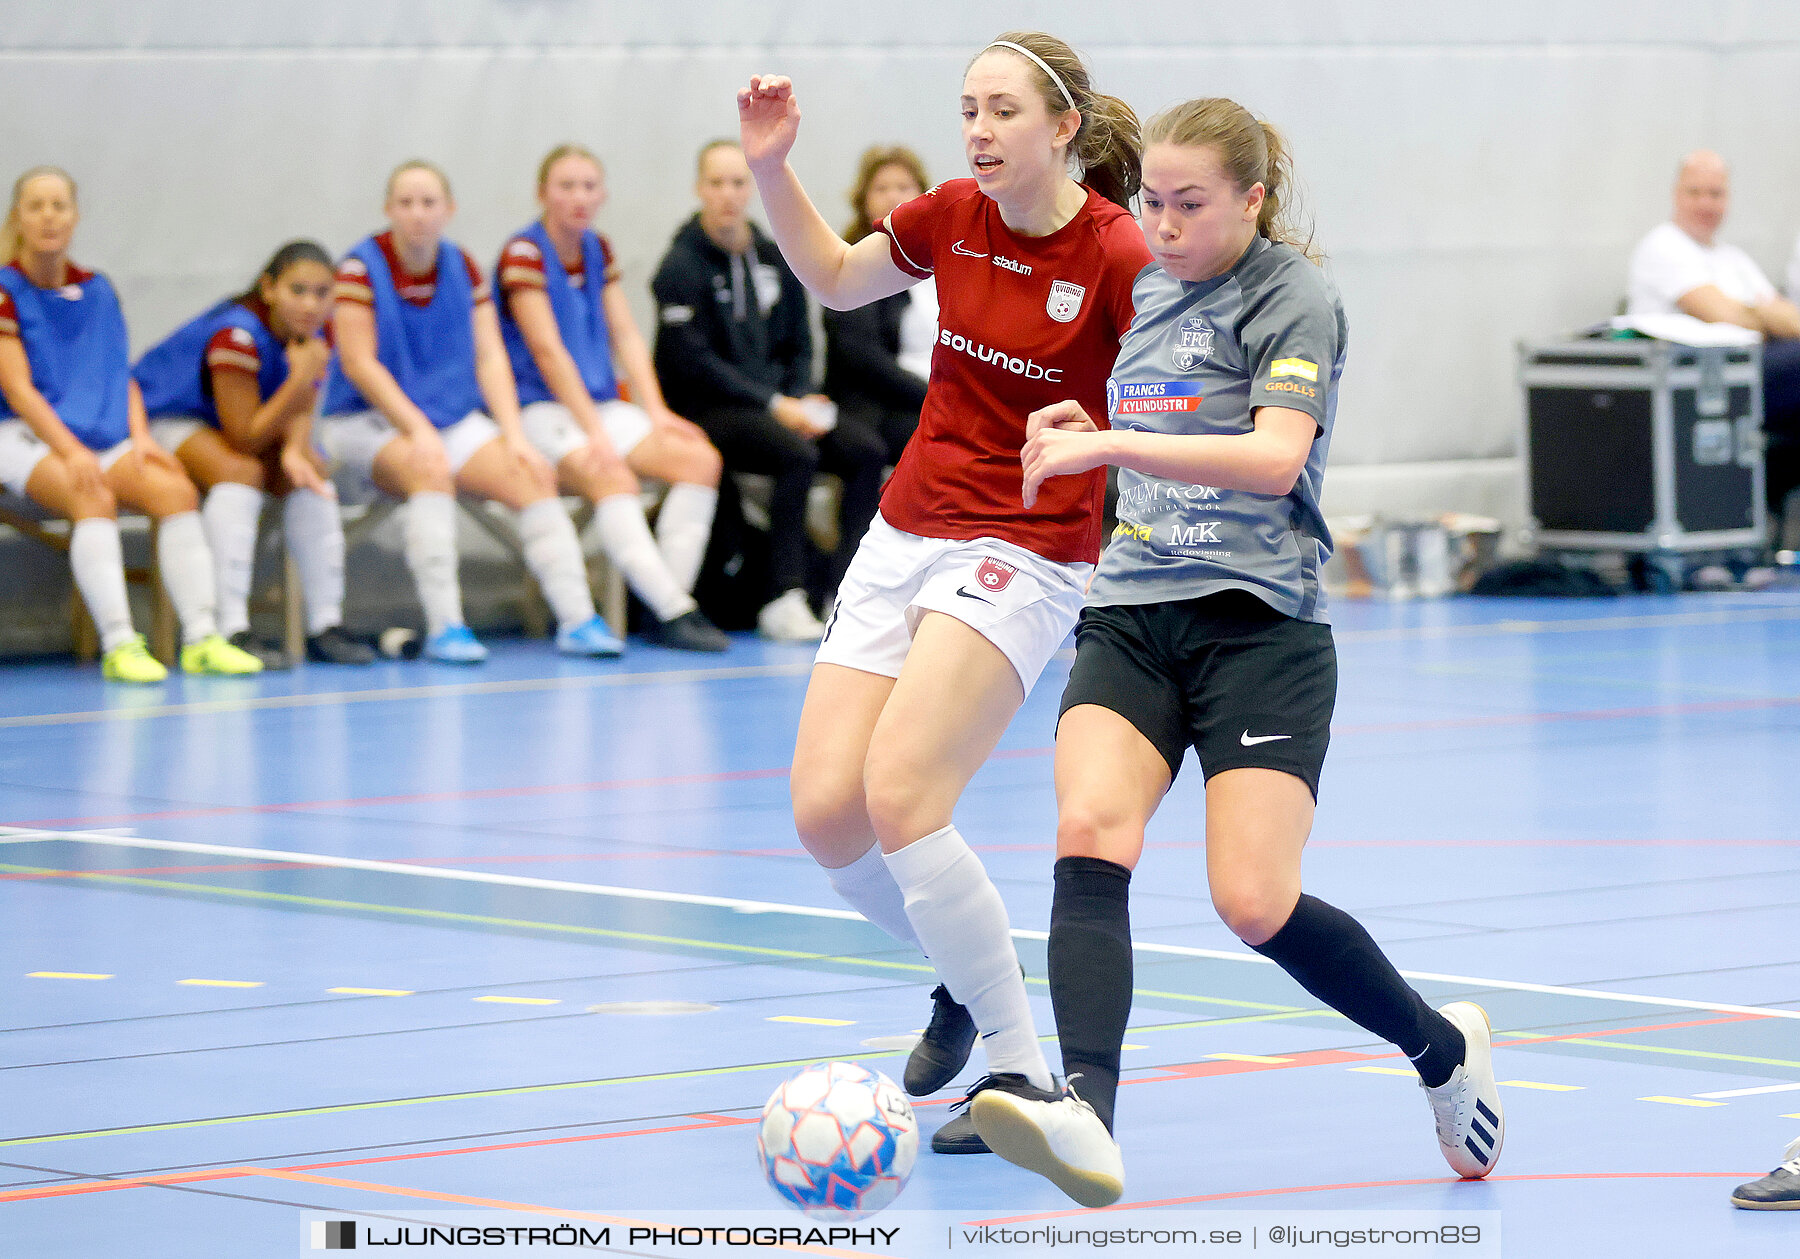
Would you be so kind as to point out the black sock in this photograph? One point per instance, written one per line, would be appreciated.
(1330, 955)
(1090, 974)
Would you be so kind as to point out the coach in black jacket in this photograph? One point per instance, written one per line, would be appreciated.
(734, 354)
(863, 374)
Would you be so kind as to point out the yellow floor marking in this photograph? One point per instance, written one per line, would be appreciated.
(1680, 1101)
(1385, 1070)
(522, 1000)
(1134, 1046)
(373, 992)
(1248, 1058)
(1791, 1116)
(221, 983)
(800, 1018)
(1548, 1088)
(63, 974)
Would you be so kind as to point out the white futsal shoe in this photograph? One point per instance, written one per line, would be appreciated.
(1056, 1135)
(1470, 1123)
(788, 619)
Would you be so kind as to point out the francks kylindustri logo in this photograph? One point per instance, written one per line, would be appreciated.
(995, 575)
(1196, 344)
(1065, 300)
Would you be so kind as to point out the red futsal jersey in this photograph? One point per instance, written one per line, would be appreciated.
(1023, 321)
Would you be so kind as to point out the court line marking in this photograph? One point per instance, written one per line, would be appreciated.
(15, 835)
(1501, 628)
(1765, 1088)
(515, 686)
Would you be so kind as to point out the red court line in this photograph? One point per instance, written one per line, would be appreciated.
(745, 775)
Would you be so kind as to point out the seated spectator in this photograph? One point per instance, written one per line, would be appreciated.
(74, 438)
(419, 355)
(1681, 267)
(567, 323)
(734, 353)
(878, 357)
(232, 393)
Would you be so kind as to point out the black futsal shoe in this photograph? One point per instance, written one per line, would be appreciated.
(1778, 1191)
(272, 657)
(333, 646)
(690, 631)
(944, 1048)
(959, 1136)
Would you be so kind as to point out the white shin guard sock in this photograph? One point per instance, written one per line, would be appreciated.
(315, 538)
(683, 528)
(625, 537)
(868, 887)
(961, 923)
(431, 555)
(98, 562)
(231, 513)
(187, 574)
(553, 553)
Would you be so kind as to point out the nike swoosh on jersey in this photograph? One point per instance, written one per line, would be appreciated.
(957, 248)
(1249, 740)
(964, 592)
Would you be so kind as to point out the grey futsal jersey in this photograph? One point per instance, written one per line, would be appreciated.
(1197, 359)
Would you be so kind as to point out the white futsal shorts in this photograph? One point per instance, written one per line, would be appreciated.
(172, 430)
(1019, 601)
(21, 452)
(353, 441)
(553, 429)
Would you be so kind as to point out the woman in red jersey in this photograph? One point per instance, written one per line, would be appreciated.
(959, 594)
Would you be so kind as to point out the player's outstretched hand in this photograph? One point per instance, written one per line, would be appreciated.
(768, 119)
(1060, 440)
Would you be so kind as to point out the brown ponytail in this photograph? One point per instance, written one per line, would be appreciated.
(1251, 151)
(1107, 144)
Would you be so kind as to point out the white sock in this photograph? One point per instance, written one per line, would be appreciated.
(683, 527)
(99, 565)
(961, 924)
(187, 573)
(431, 555)
(553, 554)
(231, 513)
(315, 538)
(625, 537)
(868, 887)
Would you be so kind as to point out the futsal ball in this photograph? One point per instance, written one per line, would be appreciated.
(838, 1141)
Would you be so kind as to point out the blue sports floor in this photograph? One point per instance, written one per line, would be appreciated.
(346, 941)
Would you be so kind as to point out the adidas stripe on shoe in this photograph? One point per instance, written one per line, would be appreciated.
(1471, 1126)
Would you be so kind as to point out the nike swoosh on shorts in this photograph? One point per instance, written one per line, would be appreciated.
(1249, 740)
(964, 592)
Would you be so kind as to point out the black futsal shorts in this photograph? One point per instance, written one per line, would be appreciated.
(1225, 674)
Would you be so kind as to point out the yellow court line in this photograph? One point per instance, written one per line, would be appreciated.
(1680, 1101)
(64, 974)
(373, 992)
(1684, 1053)
(801, 1018)
(1249, 1058)
(521, 1000)
(1134, 1046)
(221, 983)
(1547, 1088)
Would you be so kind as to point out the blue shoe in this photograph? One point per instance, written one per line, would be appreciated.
(590, 638)
(455, 644)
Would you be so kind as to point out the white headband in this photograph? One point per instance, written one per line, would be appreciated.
(1041, 64)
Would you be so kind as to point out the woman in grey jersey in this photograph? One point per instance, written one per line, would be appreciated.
(1206, 627)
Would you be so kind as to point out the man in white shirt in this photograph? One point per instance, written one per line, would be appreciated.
(1681, 267)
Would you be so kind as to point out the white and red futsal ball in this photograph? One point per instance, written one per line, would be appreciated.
(838, 1141)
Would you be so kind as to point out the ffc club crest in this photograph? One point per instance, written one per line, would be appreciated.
(1196, 343)
(1065, 300)
(995, 575)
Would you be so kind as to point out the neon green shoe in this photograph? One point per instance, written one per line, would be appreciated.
(131, 661)
(213, 654)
